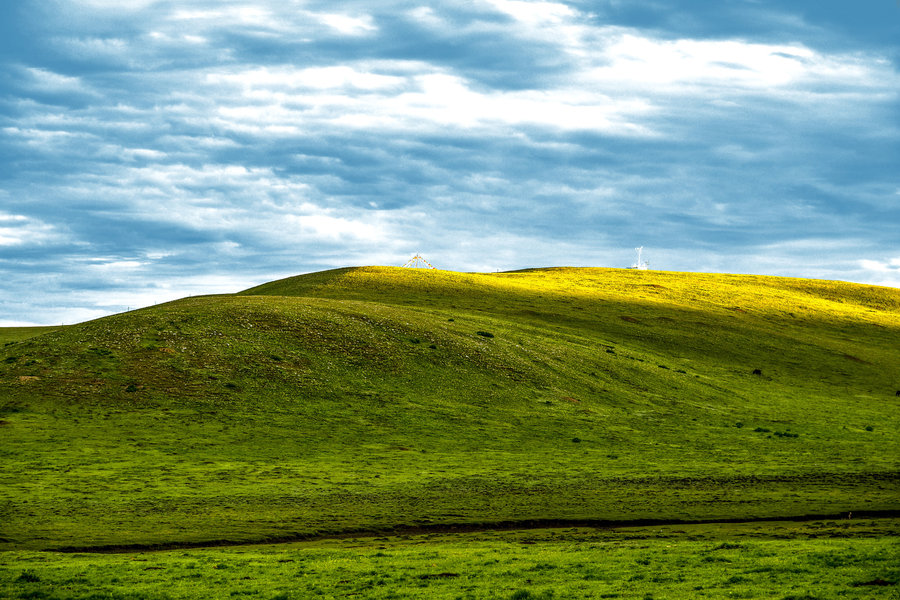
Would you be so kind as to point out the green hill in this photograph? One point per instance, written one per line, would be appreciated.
(372, 398)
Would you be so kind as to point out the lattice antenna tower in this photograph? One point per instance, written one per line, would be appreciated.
(417, 262)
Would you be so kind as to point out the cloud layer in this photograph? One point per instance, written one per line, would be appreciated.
(151, 151)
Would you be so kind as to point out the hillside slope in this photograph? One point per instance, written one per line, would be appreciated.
(368, 398)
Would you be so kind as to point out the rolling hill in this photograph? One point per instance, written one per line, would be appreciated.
(376, 398)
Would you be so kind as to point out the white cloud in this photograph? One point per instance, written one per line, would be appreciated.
(536, 13)
(117, 5)
(98, 48)
(884, 272)
(252, 15)
(891, 265)
(45, 80)
(107, 265)
(12, 218)
(176, 38)
(20, 230)
(269, 19)
(728, 67)
(347, 25)
(622, 84)
(229, 200)
(327, 227)
(425, 15)
(289, 78)
(288, 101)
(624, 61)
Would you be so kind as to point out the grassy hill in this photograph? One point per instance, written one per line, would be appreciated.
(373, 398)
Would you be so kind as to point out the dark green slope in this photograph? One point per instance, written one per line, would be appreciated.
(375, 397)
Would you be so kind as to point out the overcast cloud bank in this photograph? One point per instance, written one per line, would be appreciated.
(157, 149)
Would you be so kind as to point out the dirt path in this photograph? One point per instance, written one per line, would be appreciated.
(473, 528)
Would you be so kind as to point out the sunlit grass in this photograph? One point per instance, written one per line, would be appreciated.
(18, 334)
(368, 398)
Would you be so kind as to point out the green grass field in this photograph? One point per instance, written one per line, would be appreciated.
(18, 334)
(381, 399)
(846, 559)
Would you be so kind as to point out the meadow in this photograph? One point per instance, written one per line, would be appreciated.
(855, 559)
(398, 402)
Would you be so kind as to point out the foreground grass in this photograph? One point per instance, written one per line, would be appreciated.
(365, 399)
(817, 560)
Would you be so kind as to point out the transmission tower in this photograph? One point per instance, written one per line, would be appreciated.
(417, 262)
(643, 266)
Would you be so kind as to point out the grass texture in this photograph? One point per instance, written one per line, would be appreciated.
(853, 560)
(367, 399)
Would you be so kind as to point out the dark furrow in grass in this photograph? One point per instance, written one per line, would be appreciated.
(473, 528)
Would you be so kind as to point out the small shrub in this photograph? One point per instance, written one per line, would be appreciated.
(28, 577)
(416, 341)
(876, 582)
(757, 371)
(728, 546)
(131, 388)
(576, 440)
(486, 334)
(869, 428)
(526, 595)
(432, 347)
(762, 430)
(738, 424)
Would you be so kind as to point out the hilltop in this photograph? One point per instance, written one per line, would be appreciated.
(371, 398)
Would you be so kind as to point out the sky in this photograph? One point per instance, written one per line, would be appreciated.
(156, 149)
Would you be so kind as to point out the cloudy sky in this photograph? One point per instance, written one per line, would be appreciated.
(153, 149)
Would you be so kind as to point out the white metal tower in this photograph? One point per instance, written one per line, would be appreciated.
(417, 262)
(643, 266)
